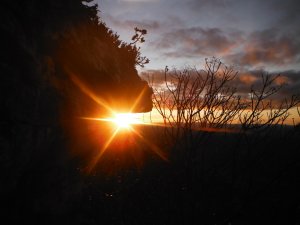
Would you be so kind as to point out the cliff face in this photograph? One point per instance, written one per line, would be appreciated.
(55, 57)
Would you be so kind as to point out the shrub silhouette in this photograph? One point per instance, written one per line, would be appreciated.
(213, 131)
(208, 100)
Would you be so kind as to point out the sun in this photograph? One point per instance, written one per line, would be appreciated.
(125, 120)
(123, 134)
(121, 120)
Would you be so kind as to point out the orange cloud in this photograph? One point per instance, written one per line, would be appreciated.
(282, 80)
(247, 78)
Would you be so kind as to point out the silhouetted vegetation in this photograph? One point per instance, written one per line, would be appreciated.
(56, 56)
(218, 139)
(208, 99)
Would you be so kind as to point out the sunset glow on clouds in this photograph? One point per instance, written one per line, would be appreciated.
(244, 33)
(253, 36)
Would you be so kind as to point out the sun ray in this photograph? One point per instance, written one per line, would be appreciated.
(102, 151)
(122, 120)
(138, 99)
(152, 146)
(89, 93)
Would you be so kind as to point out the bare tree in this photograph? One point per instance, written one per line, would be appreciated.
(262, 111)
(191, 100)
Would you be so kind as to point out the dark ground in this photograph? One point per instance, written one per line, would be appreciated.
(229, 180)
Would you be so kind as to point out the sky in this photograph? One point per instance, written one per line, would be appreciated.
(253, 36)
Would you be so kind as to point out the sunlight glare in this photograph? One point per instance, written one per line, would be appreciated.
(125, 120)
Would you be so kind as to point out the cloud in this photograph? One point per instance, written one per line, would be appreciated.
(154, 77)
(291, 81)
(289, 10)
(195, 41)
(139, 0)
(268, 47)
(245, 80)
(130, 24)
(227, 29)
(288, 80)
(196, 5)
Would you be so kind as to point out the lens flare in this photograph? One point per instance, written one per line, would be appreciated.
(125, 120)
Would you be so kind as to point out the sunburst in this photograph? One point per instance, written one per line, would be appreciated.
(122, 121)
(125, 120)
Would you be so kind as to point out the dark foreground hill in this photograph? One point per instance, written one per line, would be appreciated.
(58, 60)
(231, 179)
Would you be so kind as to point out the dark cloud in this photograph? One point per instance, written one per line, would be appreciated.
(268, 47)
(154, 77)
(286, 12)
(249, 34)
(196, 5)
(292, 81)
(289, 10)
(195, 41)
(245, 80)
(289, 81)
(130, 24)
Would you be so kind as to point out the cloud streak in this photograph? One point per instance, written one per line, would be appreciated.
(267, 47)
(245, 80)
(139, 1)
(252, 34)
(130, 24)
(197, 41)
